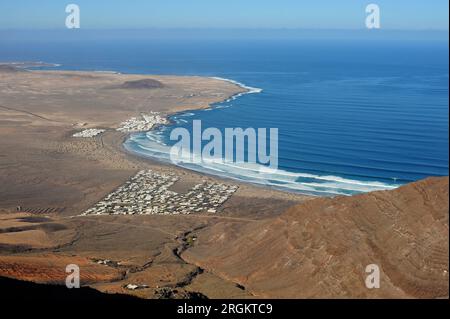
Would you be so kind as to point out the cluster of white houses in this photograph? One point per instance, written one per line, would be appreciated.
(148, 193)
(143, 123)
(91, 132)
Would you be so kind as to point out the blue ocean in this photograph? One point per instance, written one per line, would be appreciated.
(354, 114)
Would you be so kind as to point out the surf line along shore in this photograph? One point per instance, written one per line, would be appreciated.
(233, 142)
(262, 143)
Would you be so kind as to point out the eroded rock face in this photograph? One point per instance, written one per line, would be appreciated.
(321, 248)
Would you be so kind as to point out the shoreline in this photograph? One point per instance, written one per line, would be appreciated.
(376, 185)
(285, 179)
(168, 116)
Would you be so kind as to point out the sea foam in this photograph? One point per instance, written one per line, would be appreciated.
(151, 145)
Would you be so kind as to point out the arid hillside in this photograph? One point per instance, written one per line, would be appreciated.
(321, 248)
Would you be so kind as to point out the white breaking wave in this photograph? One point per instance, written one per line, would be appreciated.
(306, 183)
(250, 90)
(330, 178)
(106, 72)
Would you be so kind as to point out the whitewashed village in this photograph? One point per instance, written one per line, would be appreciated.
(91, 132)
(148, 192)
(142, 123)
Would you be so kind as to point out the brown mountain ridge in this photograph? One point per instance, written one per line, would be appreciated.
(320, 248)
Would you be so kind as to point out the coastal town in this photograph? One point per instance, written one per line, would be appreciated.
(148, 193)
(92, 132)
(145, 122)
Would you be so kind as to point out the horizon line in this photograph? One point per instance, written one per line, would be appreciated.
(225, 29)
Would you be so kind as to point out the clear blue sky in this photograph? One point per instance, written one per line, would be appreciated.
(311, 14)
